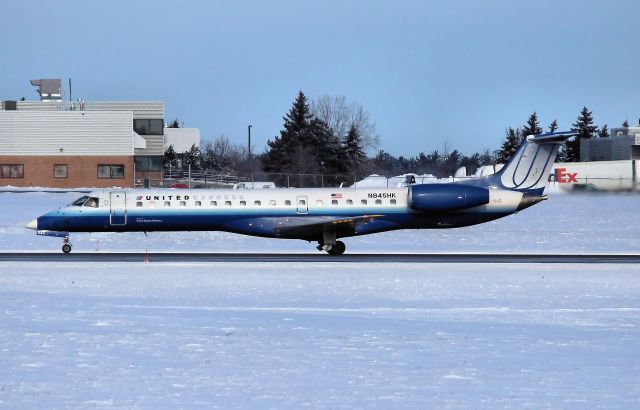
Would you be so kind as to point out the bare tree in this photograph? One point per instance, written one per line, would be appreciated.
(223, 156)
(341, 116)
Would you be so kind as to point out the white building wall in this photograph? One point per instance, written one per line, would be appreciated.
(599, 175)
(140, 109)
(181, 138)
(66, 133)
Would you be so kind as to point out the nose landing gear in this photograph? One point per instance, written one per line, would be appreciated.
(66, 245)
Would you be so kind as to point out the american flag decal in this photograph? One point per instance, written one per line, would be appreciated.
(336, 196)
(139, 197)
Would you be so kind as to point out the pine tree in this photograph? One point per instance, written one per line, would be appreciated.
(562, 153)
(290, 142)
(553, 126)
(322, 147)
(191, 158)
(352, 153)
(169, 159)
(625, 124)
(603, 132)
(512, 141)
(532, 127)
(585, 129)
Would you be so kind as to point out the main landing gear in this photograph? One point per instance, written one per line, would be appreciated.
(337, 248)
(330, 245)
(66, 245)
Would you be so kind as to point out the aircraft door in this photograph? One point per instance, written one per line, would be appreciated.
(118, 210)
(302, 205)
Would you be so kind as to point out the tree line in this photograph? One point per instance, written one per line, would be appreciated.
(332, 137)
(570, 151)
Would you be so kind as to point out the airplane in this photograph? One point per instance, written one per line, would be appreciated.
(321, 215)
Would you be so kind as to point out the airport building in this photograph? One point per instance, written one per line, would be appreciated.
(65, 144)
(620, 146)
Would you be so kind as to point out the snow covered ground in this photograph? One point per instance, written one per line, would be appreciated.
(326, 335)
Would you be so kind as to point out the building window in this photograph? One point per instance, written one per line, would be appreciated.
(110, 171)
(148, 127)
(12, 171)
(148, 163)
(60, 171)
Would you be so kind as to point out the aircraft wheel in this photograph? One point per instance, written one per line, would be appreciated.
(66, 248)
(338, 248)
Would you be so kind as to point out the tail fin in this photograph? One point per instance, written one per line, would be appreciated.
(528, 170)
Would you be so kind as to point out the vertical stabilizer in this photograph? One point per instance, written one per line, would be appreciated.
(528, 170)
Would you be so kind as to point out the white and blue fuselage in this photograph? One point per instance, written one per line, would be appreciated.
(317, 214)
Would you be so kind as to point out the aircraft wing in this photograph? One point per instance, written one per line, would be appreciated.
(313, 228)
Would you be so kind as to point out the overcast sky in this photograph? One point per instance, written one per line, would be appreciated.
(428, 72)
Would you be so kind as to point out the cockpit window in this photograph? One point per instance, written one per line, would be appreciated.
(86, 200)
(91, 202)
(80, 201)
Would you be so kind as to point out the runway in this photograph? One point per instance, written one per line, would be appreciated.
(472, 258)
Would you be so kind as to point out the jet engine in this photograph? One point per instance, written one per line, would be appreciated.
(446, 197)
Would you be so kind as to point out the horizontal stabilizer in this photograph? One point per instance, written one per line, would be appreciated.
(553, 137)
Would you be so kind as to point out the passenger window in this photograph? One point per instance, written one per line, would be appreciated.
(183, 203)
(198, 203)
(214, 203)
(272, 202)
(302, 202)
(138, 204)
(257, 203)
(319, 202)
(152, 204)
(393, 202)
(363, 201)
(334, 202)
(243, 203)
(227, 203)
(378, 201)
(287, 202)
(167, 204)
(349, 202)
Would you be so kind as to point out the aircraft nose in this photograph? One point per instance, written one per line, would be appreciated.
(33, 224)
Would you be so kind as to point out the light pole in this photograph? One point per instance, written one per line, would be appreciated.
(249, 151)
(249, 146)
